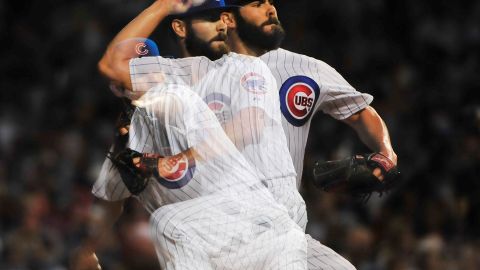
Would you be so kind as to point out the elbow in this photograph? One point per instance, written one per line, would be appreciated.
(104, 68)
(394, 157)
(353, 119)
(109, 71)
(115, 71)
(358, 117)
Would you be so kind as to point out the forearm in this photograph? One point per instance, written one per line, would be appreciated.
(144, 24)
(372, 131)
(114, 63)
(246, 127)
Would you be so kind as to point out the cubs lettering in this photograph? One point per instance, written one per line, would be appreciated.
(254, 83)
(303, 101)
(176, 171)
(298, 96)
(220, 105)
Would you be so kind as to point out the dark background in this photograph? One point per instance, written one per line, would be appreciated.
(420, 59)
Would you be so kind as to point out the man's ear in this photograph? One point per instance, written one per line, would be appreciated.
(229, 19)
(179, 27)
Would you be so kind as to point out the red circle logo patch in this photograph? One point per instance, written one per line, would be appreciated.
(254, 83)
(298, 96)
(176, 171)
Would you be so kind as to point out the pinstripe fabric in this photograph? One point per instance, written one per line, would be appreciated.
(232, 231)
(251, 118)
(285, 192)
(321, 257)
(217, 230)
(109, 185)
(170, 120)
(223, 212)
(283, 188)
(336, 98)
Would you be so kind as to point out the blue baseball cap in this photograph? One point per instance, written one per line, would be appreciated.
(208, 5)
(237, 3)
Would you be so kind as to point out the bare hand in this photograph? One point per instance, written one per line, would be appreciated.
(178, 6)
(378, 172)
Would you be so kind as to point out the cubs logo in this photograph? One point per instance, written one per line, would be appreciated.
(254, 83)
(298, 96)
(141, 49)
(144, 47)
(176, 171)
(217, 102)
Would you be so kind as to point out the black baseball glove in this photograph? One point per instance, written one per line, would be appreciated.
(121, 127)
(135, 176)
(354, 175)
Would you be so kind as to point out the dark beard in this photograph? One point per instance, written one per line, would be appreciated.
(254, 37)
(197, 47)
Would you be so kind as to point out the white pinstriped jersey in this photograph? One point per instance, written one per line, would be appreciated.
(171, 121)
(227, 232)
(190, 70)
(209, 210)
(241, 91)
(307, 85)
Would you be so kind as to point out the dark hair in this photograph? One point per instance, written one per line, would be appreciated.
(254, 37)
(209, 15)
(245, 2)
(171, 32)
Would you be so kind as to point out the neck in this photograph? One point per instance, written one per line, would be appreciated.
(183, 49)
(240, 47)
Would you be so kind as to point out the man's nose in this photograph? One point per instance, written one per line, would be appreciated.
(271, 10)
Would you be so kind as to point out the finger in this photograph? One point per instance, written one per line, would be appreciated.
(124, 130)
(136, 161)
(181, 6)
(378, 173)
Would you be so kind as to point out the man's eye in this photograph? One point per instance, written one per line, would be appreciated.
(209, 18)
(212, 18)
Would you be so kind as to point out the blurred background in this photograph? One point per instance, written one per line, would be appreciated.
(420, 59)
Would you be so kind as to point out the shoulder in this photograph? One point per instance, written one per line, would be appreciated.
(240, 64)
(158, 60)
(178, 97)
(241, 59)
(285, 56)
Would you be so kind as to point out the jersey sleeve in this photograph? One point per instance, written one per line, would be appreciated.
(170, 120)
(338, 98)
(257, 89)
(254, 110)
(109, 185)
(148, 72)
(177, 120)
(200, 122)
